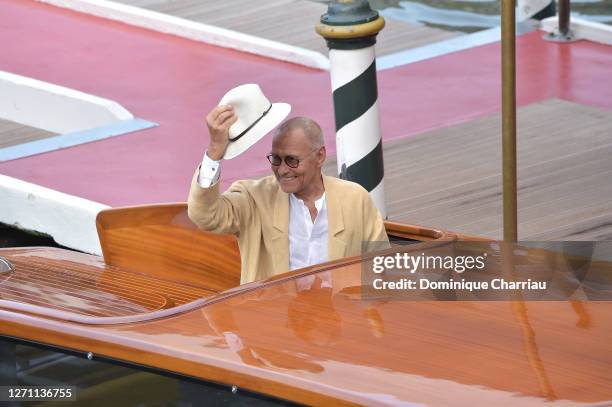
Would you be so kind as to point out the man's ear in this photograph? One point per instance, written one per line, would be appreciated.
(321, 155)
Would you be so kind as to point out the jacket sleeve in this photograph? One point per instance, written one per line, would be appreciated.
(219, 213)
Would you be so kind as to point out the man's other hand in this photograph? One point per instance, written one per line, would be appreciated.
(219, 120)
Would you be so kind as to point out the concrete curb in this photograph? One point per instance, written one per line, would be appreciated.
(449, 46)
(209, 34)
(55, 108)
(582, 29)
(70, 220)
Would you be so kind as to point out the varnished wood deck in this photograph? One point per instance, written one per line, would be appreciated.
(12, 133)
(451, 178)
(288, 21)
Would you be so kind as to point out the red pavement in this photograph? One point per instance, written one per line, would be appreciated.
(174, 82)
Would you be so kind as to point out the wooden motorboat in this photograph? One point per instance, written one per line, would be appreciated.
(161, 320)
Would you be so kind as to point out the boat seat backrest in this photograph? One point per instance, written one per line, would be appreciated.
(161, 240)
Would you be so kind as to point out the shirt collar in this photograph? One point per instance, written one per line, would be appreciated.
(318, 203)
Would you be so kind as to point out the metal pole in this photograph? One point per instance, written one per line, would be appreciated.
(509, 120)
(350, 28)
(564, 17)
(519, 308)
(562, 33)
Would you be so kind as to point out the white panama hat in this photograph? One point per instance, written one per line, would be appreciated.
(256, 117)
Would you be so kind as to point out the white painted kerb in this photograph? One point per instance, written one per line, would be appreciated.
(582, 29)
(70, 220)
(192, 30)
(54, 108)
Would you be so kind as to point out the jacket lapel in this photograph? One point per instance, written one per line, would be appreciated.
(335, 225)
(280, 237)
(335, 220)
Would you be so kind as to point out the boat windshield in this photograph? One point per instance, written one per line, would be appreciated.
(85, 378)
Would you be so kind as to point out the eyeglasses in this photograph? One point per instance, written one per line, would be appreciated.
(291, 161)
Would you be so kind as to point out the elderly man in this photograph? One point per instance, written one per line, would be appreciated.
(292, 219)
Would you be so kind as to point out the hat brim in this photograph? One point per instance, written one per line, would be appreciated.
(273, 118)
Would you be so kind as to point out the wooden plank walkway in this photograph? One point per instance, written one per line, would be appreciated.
(288, 21)
(451, 178)
(12, 133)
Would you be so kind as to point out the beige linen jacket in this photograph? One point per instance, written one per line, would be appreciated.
(257, 212)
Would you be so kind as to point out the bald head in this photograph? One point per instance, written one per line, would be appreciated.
(310, 128)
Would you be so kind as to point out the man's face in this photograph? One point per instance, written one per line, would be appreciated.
(296, 144)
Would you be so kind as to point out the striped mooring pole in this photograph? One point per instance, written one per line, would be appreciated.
(350, 29)
(536, 9)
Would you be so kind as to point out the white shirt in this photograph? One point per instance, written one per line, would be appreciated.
(307, 239)
(209, 172)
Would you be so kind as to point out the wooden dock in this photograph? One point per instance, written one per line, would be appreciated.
(289, 21)
(451, 178)
(12, 133)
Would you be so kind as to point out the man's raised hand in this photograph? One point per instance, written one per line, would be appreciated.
(219, 120)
